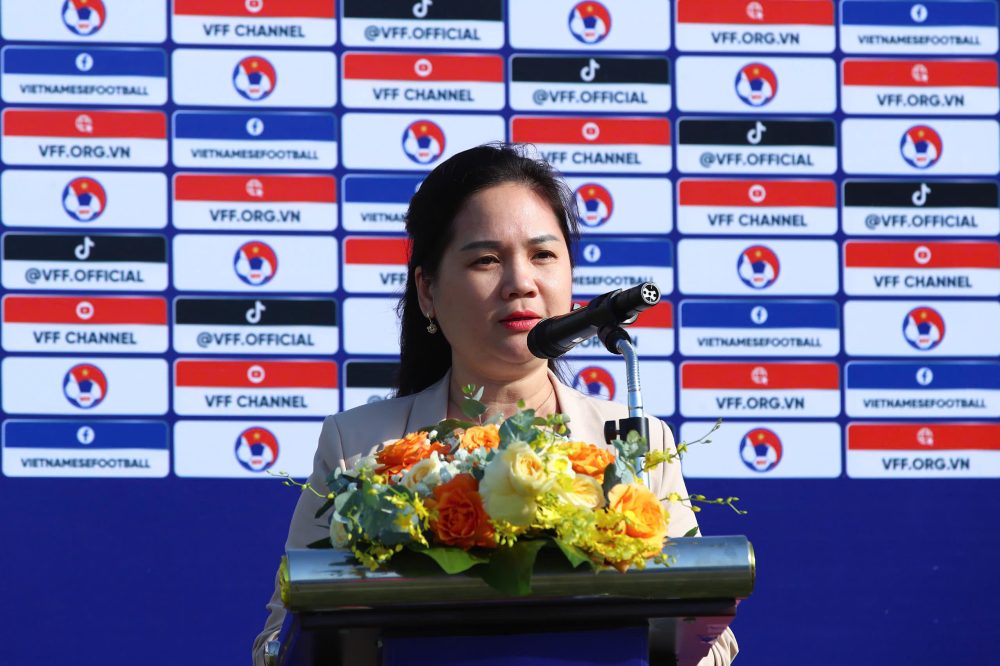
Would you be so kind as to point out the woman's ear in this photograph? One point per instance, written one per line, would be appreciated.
(424, 296)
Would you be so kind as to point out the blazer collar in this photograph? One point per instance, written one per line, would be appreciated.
(585, 422)
(430, 405)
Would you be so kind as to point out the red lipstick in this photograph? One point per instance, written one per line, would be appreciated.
(521, 320)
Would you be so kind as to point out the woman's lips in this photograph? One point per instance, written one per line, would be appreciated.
(520, 321)
(520, 324)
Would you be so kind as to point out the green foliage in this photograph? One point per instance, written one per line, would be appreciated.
(619, 471)
(452, 560)
(629, 453)
(509, 569)
(470, 391)
(632, 449)
(447, 427)
(473, 408)
(471, 405)
(575, 556)
(558, 423)
(495, 419)
(520, 427)
(338, 482)
(371, 511)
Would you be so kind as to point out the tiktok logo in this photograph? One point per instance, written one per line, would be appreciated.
(756, 134)
(589, 71)
(420, 9)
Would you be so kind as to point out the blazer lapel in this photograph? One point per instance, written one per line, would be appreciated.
(585, 422)
(429, 406)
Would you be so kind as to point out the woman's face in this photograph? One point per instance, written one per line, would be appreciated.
(507, 267)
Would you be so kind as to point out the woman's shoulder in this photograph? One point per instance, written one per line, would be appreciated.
(608, 409)
(376, 415)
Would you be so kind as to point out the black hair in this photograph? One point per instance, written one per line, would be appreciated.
(424, 358)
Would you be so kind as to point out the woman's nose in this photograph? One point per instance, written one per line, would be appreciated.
(519, 280)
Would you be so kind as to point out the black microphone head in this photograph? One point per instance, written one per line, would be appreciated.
(537, 344)
(650, 293)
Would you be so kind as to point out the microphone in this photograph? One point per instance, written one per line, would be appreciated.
(553, 337)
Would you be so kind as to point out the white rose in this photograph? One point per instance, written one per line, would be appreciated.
(512, 482)
(338, 534)
(368, 463)
(426, 472)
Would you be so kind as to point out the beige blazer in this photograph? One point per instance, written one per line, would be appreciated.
(349, 435)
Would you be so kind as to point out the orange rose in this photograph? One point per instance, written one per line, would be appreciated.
(645, 517)
(477, 437)
(404, 453)
(589, 459)
(458, 517)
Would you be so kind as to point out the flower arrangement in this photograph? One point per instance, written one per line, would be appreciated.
(486, 495)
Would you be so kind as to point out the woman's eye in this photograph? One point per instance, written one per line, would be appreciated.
(545, 254)
(488, 259)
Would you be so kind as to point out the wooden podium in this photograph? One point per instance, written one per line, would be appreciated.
(342, 613)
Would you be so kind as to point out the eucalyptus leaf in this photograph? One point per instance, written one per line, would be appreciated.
(523, 419)
(380, 519)
(448, 426)
(451, 424)
(508, 434)
(338, 482)
(473, 408)
(633, 447)
(452, 560)
(519, 428)
(611, 479)
(509, 570)
(615, 473)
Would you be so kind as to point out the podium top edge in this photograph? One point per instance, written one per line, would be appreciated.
(718, 567)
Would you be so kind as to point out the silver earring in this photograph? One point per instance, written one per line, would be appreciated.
(432, 327)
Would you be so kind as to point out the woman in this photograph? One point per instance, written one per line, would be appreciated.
(491, 234)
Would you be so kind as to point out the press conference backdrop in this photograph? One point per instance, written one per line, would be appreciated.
(202, 210)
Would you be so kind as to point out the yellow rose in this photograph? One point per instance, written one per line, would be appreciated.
(582, 491)
(645, 517)
(512, 482)
(527, 471)
(426, 471)
(589, 459)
